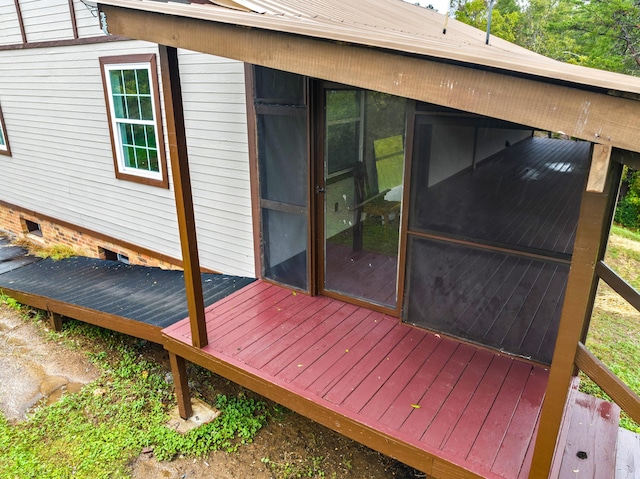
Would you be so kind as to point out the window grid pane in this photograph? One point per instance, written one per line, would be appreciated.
(133, 109)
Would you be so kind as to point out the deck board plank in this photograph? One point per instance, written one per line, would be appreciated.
(272, 327)
(401, 408)
(398, 382)
(320, 356)
(514, 447)
(445, 421)
(376, 379)
(287, 349)
(368, 368)
(434, 398)
(347, 354)
(471, 421)
(487, 444)
(369, 355)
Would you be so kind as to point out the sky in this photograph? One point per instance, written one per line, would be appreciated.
(440, 5)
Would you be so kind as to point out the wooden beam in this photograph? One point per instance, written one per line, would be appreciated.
(600, 158)
(618, 284)
(109, 321)
(182, 189)
(593, 224)
(542, 105)
(253, 169)
(621, 394)
(23, 32)
(74, 24)
(181, 385)
(628, 158)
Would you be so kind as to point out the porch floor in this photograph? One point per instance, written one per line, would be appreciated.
(398, 389)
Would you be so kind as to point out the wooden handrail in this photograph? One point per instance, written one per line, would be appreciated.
(623, 396)
(618, 284)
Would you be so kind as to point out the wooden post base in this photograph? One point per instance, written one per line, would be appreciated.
(183, 396)
(55, 321)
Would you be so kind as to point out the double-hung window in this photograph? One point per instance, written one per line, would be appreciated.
(131, 93)
(4, 141)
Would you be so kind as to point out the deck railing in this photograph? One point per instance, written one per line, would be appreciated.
(595, 369)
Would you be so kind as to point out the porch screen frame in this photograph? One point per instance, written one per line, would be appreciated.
(265, 106)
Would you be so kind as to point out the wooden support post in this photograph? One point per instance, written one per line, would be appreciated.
(182, 188)
(181, 385)
(596, 211)
(55, 321)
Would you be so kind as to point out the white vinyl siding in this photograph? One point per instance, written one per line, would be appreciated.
(9, 24)
(46, 20)
(54, 102)
(87, 21)
(216, 123)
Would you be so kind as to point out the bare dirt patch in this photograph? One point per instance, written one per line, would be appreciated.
(33, 369)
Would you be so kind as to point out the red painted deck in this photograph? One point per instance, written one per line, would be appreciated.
(470, 407)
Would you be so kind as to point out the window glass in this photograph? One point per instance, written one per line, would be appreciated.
(131, 93)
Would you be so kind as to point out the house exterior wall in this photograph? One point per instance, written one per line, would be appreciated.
(61, 167)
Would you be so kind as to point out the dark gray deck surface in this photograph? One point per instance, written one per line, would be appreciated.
(12, 257)
(149, 295)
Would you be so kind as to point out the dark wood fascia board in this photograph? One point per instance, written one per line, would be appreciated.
(72, 17)
(628, 158)
(253, 168)
(588, 115)
(23, 32)
(104, 320)
(331, 418)
(103, 237)
(64, 43)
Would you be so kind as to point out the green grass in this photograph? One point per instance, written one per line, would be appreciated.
(96, 432)
(625, 233)
(614, 334)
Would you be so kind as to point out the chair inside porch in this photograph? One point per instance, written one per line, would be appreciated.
(450, 409)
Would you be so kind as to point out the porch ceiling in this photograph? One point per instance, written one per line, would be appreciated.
(397, 48)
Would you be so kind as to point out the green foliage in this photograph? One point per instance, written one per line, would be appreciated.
(628, 208)
(56, 252)
(614, 333)
(601, 34)
(95, 433)
(10, 302)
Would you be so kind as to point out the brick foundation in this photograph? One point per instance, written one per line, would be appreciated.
(14, 221)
